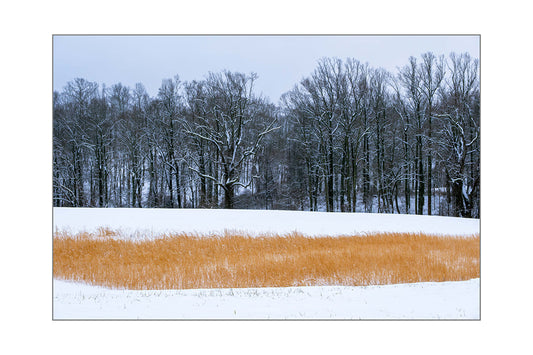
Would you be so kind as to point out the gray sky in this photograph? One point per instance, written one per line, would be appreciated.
(280, 61)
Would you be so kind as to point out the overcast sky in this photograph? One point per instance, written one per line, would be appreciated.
(280, 61)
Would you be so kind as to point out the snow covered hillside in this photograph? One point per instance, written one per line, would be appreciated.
(203, 221)
(427, 300)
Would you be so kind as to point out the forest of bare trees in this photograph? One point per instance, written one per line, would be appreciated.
(348, 137)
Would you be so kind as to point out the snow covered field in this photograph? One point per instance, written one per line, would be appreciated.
(137, 222)
(444, 300)
(427, 300)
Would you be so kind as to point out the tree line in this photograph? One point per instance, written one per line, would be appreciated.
(348, 137)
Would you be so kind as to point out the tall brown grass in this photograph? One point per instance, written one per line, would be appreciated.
(187, 261)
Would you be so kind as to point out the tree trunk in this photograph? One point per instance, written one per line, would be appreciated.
(178, 184)
(330, 177)
(229, 195)
(420, 178)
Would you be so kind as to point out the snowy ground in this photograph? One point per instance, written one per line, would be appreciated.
(428, 300)
(444, 300)
(136, 222)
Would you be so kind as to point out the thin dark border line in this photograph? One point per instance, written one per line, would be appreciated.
(480, 179)
(261, 35)
(265, 35)
(52, 187)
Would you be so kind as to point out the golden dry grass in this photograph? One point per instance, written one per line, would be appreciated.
(188, 261)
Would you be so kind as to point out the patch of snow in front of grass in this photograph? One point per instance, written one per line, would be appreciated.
(426, 300)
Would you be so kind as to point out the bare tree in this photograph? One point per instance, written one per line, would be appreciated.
(432, 73)
(100, 131)
(460, 136)
(78, 94)
(170, 102)
(410, 79)
(300, 111)
(235, 126)
(356, 127)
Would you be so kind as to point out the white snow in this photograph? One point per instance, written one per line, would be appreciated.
(136, 222)
(444, 300)
(427, 300)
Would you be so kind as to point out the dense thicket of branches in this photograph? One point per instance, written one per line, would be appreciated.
(348, 137)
